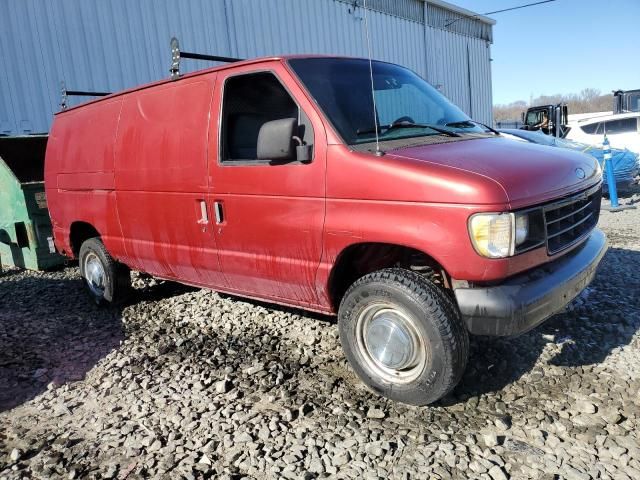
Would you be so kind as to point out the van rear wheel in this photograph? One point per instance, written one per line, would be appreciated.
(403, 336)
(106, 280)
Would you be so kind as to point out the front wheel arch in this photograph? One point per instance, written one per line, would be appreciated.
(359, 259)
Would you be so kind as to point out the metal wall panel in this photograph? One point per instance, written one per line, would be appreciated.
(446, 19)
(117, 44)
(407, 9)
(460, 67)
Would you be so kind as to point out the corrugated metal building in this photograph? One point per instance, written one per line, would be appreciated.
(116, 44)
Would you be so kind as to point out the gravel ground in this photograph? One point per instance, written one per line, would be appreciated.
(184, 383)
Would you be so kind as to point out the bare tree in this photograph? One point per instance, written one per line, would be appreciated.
(587, 101)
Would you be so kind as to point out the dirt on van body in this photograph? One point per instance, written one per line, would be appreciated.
(185, 383)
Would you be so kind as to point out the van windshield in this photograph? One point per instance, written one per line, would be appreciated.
(406, 105)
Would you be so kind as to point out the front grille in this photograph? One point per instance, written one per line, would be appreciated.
(570, 220)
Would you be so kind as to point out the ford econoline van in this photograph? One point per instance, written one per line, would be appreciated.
(277, 179)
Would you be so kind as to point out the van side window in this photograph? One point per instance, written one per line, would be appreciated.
(590, 128)
(623, 125)
(249, 102)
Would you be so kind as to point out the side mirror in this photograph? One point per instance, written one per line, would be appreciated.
(275, 139)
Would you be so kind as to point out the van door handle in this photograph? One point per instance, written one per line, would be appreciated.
(204, 215)
(217, 208)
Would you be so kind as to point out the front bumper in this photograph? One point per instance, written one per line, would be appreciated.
(526, 300)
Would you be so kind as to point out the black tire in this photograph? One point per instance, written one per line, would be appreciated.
(116, 283)
(433, 319)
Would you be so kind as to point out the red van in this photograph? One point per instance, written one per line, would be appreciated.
(264, 179)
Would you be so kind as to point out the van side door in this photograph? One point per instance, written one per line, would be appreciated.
(162, 182)
(269, 212)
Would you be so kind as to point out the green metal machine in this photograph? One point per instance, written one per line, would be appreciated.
(25, 227)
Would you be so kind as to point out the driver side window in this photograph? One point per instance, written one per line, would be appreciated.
(250, 101)
(534, 118)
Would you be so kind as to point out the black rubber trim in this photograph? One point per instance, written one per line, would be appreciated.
(526, 300)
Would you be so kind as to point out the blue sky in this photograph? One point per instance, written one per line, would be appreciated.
(562, 46)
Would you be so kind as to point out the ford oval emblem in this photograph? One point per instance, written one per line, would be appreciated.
(580, 173)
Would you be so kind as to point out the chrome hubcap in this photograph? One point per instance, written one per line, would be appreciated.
(388, 341)
(391, 344)
(94, 274)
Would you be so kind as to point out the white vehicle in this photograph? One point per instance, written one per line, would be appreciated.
(622, 129)
(576, 117)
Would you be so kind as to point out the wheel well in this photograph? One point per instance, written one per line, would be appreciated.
(358, 260)
(81, 231)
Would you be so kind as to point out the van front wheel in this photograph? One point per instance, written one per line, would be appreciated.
(403, 336)
(106, 280)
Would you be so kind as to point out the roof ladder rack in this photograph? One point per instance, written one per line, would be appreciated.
(77, 93)
(176, 55)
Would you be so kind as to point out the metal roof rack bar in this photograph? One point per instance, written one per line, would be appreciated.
(77, 93)
(176, 55)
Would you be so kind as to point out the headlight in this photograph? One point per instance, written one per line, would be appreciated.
(492, 234)
(498, 235)
(522, 228)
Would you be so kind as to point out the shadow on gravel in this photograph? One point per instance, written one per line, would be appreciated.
(50, 332)
(161, 289)
(321, 317)
(605, 317)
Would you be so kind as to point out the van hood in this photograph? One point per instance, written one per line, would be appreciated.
(527, 172)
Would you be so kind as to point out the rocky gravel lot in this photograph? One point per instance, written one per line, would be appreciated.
(184, 383)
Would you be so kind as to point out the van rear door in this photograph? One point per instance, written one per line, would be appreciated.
(161, 181)
(269, 212)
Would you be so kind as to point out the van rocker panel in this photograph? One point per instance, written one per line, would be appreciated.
(526, 300)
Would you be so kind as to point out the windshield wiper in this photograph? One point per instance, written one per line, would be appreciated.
(407, 124)
(472, 122)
